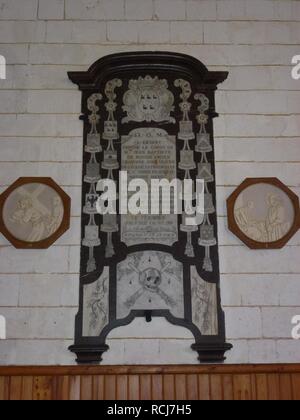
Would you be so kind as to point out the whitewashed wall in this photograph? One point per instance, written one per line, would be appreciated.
(257, 134)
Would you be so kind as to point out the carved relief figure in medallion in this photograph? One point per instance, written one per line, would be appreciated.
(267, 219)
(36, 212)
(276, 223)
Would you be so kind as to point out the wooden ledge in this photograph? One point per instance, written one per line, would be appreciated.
(147, 370)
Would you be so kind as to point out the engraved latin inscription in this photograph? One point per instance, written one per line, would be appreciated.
(149, 153)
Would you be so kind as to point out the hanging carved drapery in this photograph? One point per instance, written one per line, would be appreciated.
(150, 114)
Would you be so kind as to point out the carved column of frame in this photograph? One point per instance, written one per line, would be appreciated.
(154, 265)
(92, 148)
(110, 162)
(187, 158)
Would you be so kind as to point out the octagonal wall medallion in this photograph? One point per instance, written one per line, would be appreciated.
(263, 213)
(34, 213)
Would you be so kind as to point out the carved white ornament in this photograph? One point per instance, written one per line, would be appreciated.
(111, 105)
(33, 213)
(148, 99)
(150, 280)
(94, 118)
(263, 213)
(96, 304)
(204, 304)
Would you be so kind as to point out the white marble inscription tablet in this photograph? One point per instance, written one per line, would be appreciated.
(149, 153)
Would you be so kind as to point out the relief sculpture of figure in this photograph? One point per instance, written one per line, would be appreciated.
(27, 213)
(242, 216)
(57, 216)
(254, 229)
(32, 213)
(204, 303)
(97, 304)
(275, 223)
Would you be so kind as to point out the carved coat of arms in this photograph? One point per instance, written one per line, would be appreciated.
(148, 99)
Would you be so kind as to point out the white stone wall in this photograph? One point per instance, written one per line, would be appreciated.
(257, 134)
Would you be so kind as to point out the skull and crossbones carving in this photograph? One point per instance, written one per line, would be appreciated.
(150, 280)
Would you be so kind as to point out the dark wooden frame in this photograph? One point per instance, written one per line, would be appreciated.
(65, 224)
(233, 226)
(211, 349)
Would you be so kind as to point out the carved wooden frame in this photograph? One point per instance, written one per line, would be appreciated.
(91, 83)
(65, 224)
(252, 244)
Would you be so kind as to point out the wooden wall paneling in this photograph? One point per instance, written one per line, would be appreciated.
(216, 388)
(110, 387)
(192, 387)
(74, 384)
(27, 388)
(296, 386)
(273, 387)
(286, 391)
(253, 386)
(145, 387)
(15, 389)
(169, 387)
(4, 388)
(242, 387)
(98, 388)
(276, 382)
(134, 387)
(86, 388)
(43, 388)
(157, 387)
(228, 387)
(62, 386)
(122, 387)
(204, 387)
(262, 387)
(180, 387)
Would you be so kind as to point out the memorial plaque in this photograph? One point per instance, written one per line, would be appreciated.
(148, 116)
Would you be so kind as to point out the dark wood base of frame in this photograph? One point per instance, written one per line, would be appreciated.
(212, 352)
(89, 354)
(208, 353)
